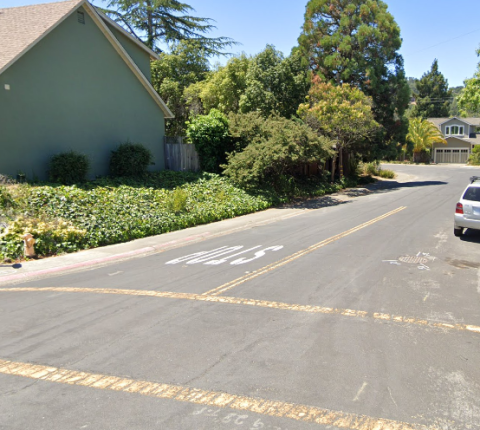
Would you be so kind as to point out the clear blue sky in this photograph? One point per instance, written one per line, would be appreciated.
(442, 29)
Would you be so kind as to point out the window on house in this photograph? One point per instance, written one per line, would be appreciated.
(454, 130)
(80, 17)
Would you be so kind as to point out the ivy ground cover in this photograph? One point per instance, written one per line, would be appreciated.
(104, 212)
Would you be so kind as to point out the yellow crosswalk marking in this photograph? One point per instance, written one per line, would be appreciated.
(258, 303)
(297, 412)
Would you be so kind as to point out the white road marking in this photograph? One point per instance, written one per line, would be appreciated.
(360, 391)
(115, 273)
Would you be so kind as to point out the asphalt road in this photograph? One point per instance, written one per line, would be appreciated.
(361, 315)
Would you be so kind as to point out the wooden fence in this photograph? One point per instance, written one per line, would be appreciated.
(180, 156)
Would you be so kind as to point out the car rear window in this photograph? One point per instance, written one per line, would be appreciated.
(473, 194)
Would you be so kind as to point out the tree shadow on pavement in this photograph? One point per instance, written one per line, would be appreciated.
(383, 186)
(315, 203)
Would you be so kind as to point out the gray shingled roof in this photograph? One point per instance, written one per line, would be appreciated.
(21, 27)
(438, 121)
(474, 138)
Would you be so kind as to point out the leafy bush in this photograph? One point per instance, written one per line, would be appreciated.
(374, 169)
(131, 160)
(475, 156)
(210, 135)
(6, 199)
(68, 168)
(177, 201)
(275, 155)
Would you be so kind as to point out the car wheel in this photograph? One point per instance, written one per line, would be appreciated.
(458, 232)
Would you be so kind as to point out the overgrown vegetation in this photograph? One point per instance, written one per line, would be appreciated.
(374, 169)
(277, 150)
(68, 168)
(70, 218)
(209, 134)
(474, 158)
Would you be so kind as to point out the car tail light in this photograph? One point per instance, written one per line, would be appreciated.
(459, 209)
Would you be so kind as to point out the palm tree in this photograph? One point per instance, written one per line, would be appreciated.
(423, 134)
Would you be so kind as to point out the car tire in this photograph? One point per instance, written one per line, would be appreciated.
(458, 232)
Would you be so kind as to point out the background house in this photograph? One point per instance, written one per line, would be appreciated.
(461, 136)
(72, 79)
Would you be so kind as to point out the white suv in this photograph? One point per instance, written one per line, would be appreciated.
(467, 213)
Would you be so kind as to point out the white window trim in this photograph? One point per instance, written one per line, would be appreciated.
(461, 130)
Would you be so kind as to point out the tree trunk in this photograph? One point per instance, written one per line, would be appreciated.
(333, 166)
(150, 32)
(340, 162)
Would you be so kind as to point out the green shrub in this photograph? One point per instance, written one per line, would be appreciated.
(275, 156)
(6, 199)
(210, 135)
(177, 201)
(387, 174)
(474, 158)
(68, 168)
(371, 168)
(130, 159)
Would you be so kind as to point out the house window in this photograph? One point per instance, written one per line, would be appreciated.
(80, 17)
(454, 130)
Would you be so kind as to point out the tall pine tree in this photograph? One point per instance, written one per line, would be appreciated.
(169, 21)
(433, 96)
(356, 42)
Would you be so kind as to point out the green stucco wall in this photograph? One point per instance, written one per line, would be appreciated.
(73, 91)
(139, 56)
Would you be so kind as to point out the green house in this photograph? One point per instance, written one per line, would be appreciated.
(72, 79)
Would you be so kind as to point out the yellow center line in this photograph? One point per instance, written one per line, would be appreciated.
(298, 412)
(258, 303)
(229, 285)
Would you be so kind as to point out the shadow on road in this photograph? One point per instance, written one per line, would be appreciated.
(382, 186)
(315, 203)
(394, 185)
(470, 235)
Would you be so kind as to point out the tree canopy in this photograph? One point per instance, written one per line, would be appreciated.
(185, 65)
(341, 112)
(274, 83)
(433, 97)
(469, 98)
(170, 21)
(356, 42)
(267, 82)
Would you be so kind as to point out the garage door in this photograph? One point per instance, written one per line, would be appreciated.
(452, 155)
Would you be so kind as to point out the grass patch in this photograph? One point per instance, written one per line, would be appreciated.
(374, 169)
(107, 211)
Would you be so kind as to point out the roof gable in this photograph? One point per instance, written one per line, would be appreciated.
(22, 28)
(468, 121)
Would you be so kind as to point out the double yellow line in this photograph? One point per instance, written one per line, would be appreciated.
(229, 285)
